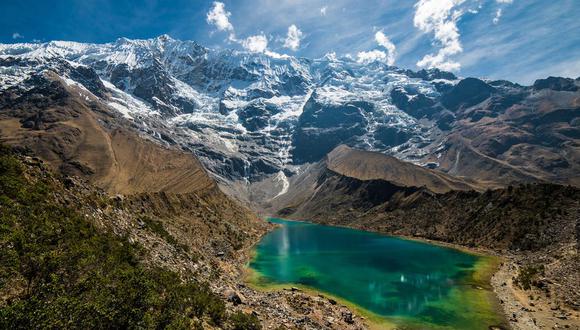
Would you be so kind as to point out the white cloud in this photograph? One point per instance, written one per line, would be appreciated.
(440, 18)
(219, 17)
(386, 43)
(293, 38)
(17, 35)
(499, 11)
(323, 10)
(377, 55)
(497, 16)
(256, 44)
(371, 56)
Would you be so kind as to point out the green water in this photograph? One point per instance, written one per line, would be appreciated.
(404, 282)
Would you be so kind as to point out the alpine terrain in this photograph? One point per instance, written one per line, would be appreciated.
(166, 152)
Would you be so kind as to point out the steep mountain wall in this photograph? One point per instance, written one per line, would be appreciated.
(248, 116)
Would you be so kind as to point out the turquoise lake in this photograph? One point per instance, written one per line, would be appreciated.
(400, 281)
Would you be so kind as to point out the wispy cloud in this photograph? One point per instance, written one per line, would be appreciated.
(293, 38)
(387, 56)
(371, 56)
(514, 49)
(218, 16)
(386, 43)
(17, 35)
(499, 11)
(498, 14)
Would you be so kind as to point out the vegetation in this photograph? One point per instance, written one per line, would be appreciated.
(527, 276)
(242, 321)
(57, 270)
(157, 228)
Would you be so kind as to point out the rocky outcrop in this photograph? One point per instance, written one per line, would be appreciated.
(557, 84)
(467, 93)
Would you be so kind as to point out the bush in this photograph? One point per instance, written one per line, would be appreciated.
(527, 276)
(57, 270)
(157, 228)
(242, 321)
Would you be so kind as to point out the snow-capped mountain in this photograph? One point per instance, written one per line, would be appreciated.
(248, 116)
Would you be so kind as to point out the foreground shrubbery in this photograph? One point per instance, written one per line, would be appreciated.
(527, 276)
(58, 271)
(241, 321)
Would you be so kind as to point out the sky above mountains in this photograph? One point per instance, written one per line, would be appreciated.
(517, 40)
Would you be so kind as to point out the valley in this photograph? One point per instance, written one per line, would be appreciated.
(178, 153)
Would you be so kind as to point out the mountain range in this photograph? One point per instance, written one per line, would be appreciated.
(181, 145)
(251, 117)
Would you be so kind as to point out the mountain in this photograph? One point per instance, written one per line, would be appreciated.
(365, 165)
(252, 117)
(378, 192)
(347, 177)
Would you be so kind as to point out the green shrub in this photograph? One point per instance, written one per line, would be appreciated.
(527, 276)
(157, 228)
(58, 271)
(242, 321)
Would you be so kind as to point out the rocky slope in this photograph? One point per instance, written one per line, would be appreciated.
(523, 217)
(250, 117)
(78, 135)
(74, 256)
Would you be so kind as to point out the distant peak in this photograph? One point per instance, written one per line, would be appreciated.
(164, 37)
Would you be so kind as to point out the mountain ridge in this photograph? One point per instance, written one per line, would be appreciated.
(249, 116)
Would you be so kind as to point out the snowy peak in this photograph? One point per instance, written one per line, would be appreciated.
(249, 115)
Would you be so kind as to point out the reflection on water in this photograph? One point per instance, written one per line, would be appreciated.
(386, 275)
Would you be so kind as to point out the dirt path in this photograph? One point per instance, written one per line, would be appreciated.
(525, 313)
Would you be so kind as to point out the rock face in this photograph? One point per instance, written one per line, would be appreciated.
(467, 93)
(249, 116)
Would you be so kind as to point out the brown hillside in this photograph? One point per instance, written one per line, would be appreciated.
(366, 165)
(77, 135)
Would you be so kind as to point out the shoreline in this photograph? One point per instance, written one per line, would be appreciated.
(513, 303)
(370, 319)
(485, 270)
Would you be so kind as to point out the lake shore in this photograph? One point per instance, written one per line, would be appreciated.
(480, 281)
(519, 311)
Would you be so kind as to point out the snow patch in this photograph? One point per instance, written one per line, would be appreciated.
(281, 178)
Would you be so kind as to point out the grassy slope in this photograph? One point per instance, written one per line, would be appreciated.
(58, 270)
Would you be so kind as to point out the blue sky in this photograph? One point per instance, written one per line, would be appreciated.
(518, 40)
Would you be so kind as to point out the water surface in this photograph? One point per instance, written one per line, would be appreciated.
(405, 282)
